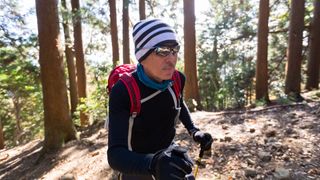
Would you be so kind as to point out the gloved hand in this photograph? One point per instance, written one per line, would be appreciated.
(171, 163)
(204, 139)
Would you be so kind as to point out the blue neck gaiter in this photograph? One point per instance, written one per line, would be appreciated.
(149, 82)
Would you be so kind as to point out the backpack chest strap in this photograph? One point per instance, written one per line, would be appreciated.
(150, 96)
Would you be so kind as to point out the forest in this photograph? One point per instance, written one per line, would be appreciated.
(55, 58)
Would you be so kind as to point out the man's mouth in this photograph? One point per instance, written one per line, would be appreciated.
(168, 67)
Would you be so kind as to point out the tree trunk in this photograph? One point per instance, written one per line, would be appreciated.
(294, 53)
(1, 136)
(314, 56)
(18, 130)
(58, 126)
(262, 54)
(70, 60)
(125, 24)
(114, 32)
(190, 60)
(142, 9)
(80, 64)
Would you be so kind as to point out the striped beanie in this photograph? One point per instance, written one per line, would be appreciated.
(150, 33)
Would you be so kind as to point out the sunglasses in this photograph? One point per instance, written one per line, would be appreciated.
(165, 51)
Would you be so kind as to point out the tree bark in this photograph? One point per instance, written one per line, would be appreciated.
(125, 25)
(314, 56)
(114, 32)
(142, 9)
(262, 52)
(1, 136)
(58, 126)
(80, 63)
(190, 59)
(294, 53)
(70, 61)
(18, 129)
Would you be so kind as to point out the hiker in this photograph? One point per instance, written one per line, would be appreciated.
(140, 144)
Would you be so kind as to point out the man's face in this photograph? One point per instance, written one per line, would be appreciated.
(160, 64)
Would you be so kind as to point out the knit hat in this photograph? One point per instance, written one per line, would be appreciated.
(151, 33)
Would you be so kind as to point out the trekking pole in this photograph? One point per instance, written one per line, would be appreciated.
(198, 162)
(203, 148)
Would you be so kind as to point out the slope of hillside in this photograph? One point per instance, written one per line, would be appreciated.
(275, 142)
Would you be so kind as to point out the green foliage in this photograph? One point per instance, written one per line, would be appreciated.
(261, 102)
(227, 51)
(236, 82)
(96, 23)
(20, 93)
(278, 39)
(210, 81)
(97, 102)
(225, 54)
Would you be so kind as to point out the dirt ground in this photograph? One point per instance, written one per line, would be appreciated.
(274, 142)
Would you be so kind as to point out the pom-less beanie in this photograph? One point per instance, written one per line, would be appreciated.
(148, 34)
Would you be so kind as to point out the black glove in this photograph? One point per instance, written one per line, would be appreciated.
(171, 163)
(204, 139)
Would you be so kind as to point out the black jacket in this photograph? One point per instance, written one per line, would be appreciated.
(153, 129)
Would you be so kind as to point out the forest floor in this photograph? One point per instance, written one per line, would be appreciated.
(273, 142)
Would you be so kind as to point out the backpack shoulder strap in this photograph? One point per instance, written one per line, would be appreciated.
(177, 84)
(134, 93)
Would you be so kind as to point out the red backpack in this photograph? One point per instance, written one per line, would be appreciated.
(124, 73)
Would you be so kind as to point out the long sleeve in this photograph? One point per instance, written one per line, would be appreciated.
(152, 130)
(119, 157)
(185, 117)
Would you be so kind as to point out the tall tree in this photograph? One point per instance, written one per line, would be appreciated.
(114, 32)
(294, 52)
(80, 64)
(17, 114)
(190, 59)
(125, 31)
(57, 121)
(314, 56)
(1, 136)
(70, 59)
(262, 54)
(142, 9)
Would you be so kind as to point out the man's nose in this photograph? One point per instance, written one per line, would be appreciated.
(171, 57)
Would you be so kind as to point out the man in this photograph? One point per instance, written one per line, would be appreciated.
(144, 149)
